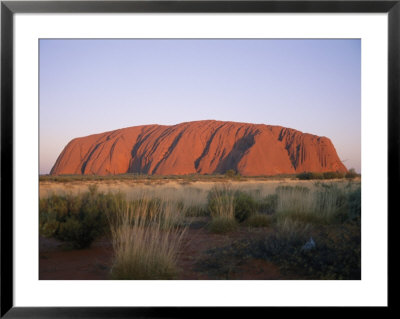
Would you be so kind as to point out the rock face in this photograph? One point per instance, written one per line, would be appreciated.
(203, 147)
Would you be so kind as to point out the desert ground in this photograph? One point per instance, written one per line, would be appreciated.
(206, 229)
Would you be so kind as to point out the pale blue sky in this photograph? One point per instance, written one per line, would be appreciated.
(93, 86)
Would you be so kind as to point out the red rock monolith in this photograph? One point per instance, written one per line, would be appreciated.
(203, 147)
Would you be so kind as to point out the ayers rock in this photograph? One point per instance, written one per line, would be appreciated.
(203, 147)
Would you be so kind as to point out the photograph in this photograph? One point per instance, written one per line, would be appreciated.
(199, 159)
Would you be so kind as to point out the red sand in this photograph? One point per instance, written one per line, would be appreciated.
(94, 263)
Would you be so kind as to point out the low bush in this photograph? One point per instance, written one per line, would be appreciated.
(309, 176)
(351, 174)
(77, 219)
(259, 220)
(224, 202)
(333, 175)
(333, 254)
(325, 175)
(244, 206)
(221, 225)
(288, 236)
(230, 173)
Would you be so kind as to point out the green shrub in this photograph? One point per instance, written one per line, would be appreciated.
(49, 228)
(221, 225)
(52, 212)
(336, 254)
(333, 175)
(230, 173)
(78, 219)
(288, 233)
(244, 206)
(315, 175)
(310, 176)
(80, 233)
(351, 174)
(304, 176)
(340, 175)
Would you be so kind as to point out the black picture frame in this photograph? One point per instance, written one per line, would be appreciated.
(9, 8)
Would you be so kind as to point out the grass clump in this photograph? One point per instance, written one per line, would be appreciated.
(327, 204)
(268, 204)
(221, 205)
(294, 202)
(221, 202)
(146, 242)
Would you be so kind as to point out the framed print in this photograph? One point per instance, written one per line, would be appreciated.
(162, 156)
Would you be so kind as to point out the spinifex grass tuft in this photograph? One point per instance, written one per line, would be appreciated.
(222, 209)
(146, 242)
(327, 204)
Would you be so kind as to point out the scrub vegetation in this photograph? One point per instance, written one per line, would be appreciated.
(307, 229)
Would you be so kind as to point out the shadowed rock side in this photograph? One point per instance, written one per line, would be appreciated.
(203, 147)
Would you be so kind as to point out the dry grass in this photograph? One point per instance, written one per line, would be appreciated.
(148, 228)
(146, 241)
(222, 202)
(323, 203)
(192, 198)
(222, 209)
